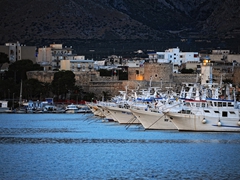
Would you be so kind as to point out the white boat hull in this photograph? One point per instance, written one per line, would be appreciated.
(71, 111)
(153, 120)
(108, 116)
(191, 122)
(123, 116)
(95, 110)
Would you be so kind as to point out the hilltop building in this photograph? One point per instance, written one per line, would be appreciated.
(223, 56)
(50, 57)
(175, 57)
(77, 64)
(17, 51)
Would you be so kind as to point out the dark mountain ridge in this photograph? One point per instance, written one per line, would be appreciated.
(34, 21)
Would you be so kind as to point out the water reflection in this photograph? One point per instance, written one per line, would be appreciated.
(19, 140)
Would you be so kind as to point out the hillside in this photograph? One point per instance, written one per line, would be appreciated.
(34, 21)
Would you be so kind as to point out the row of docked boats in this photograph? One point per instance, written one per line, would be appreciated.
(46, 108)
(198, 107)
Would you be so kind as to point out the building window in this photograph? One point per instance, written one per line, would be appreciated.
(137, 71)
(160, 56)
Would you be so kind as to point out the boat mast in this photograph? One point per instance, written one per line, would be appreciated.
(20, 97)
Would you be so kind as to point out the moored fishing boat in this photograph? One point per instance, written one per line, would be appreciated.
(122, 115)
(207, 115)
(153, 120)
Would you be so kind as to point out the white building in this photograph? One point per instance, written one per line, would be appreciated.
(174, 56)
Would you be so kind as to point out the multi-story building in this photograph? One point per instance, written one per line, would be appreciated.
(175, 57)
(51, 56)
(77, 64)
(17, 51)
(224, 56)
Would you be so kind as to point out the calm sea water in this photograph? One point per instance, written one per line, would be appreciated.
(81, 146)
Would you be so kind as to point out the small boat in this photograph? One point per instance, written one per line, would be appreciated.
(71, 108)
(83, 109)
(4, 106)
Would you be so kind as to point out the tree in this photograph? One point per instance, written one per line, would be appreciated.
(33, 89)
(63, 82)
(3, 59)
(18, 69)
(77, 93)
(89, 96)
(7, 88)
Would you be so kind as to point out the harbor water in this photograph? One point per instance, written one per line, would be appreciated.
(82, 146)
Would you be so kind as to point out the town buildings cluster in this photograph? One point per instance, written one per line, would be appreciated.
(162, 67)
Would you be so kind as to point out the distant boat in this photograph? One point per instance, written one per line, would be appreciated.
(4, 106)
(83, 109)
(71, 108)
(21, 110)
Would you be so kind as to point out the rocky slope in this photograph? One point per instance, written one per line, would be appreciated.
(34, 20)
